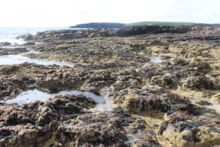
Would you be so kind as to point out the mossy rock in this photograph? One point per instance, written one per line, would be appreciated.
(129, 103)
(207, 138)
(186, 138)
(216, 98)
(198, 83)
(11, 69)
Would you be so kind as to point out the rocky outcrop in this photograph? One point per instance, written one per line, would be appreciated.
(151, 29)
(170, 102)
(12, 50)
(63, 121)
(68, 35)
(193, 32)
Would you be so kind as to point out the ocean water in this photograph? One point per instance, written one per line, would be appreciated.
(13, 32)
(9, 34)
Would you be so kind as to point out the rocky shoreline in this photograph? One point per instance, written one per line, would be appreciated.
(172, 102)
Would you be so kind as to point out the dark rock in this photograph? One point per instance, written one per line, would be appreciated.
(26, 37)
(151, 29)
(4, 133)
(199, 82)
(5, 43)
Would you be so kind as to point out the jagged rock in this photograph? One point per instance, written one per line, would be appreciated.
(5, 43)
(170, 103)
(192, 133)
(26, 37)
(216, 98)
(136, 104)
(199, 82)
(151, 29)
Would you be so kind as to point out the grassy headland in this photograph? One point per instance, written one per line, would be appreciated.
(95, 25)
(160, 23)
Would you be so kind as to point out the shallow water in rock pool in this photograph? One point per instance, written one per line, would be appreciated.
(33, 95)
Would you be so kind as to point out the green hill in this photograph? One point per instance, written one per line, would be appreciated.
(161, 23)
(99, 25)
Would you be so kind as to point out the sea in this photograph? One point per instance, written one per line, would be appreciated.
(9, 34)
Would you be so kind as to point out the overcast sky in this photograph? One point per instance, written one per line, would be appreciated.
(64, 13)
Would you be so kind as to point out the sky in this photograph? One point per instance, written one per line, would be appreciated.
(65, 13)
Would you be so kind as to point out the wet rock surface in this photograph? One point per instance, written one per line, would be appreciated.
(12, 50)
(174, 102)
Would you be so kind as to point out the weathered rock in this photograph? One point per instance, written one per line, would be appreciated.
(216, 98)
(5, 43)
(192, 133)
(143, 104)
(37, 120)
(12, 50)
(170, 103)
(26, 37)
(199, 82)
(151, 29)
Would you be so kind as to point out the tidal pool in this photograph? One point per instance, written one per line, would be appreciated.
(106, 106)
(33, 95)
(153, 60)
(103, 103)
(156, 60)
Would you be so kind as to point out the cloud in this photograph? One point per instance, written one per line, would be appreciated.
(69, 12)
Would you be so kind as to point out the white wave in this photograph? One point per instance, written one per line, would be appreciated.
(19, 59)
(13, 41)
